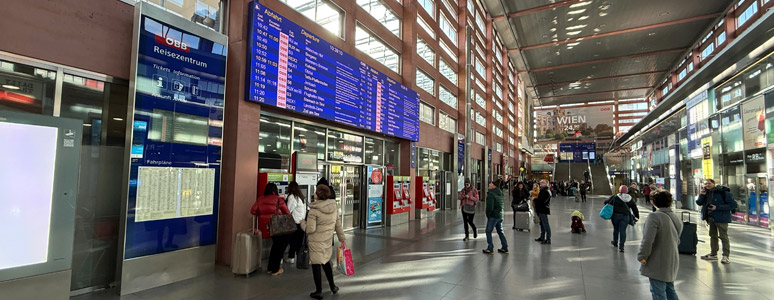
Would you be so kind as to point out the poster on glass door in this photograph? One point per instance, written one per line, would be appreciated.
(375, 191)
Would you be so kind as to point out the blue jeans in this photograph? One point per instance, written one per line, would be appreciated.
(662, 290)
(491, 224)
(620, 221)
(545, 228)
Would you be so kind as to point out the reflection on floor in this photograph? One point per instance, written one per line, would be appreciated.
(428, 260)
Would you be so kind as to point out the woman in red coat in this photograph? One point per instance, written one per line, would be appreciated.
(267, 207)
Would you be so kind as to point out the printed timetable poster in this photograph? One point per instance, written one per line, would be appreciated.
(179, 90)
(293, 69)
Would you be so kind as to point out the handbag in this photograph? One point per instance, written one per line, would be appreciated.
(281, 224)
(607, 211)
(524, 206)
(344, 261)
(302, 259)
(469, 208)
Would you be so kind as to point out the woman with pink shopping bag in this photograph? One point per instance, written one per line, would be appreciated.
(319, 225)
(344, 259)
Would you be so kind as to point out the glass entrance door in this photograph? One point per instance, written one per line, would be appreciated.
(347, 183)
(757, 200)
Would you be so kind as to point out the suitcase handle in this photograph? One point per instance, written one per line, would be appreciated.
(682, 215)
(255, 224)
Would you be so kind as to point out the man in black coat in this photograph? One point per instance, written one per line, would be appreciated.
(584, 187)
(542, 209)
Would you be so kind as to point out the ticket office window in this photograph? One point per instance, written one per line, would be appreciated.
(274, 145)
(392, 157)
(374, 151)
(345, 147)
(309, 139)
(25, 88)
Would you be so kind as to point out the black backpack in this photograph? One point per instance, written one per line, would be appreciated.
(725, 191)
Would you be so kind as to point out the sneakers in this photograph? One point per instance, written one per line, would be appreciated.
(291, 261)
(710, 257)
(725, 260)
(487, 251)
(503, 251)
(546, 242)
(475, 235)
(465, 239)
(316, 295)
(615, 245)
(334, 289)
(621, 250)
(539, 240)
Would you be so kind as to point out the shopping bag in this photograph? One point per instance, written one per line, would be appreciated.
(344, 260)
(606, 212)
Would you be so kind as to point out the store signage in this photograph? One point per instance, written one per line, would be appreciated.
(560, 123)
(753, 120)
(293, 69)
(179, 84)
(460, 154)
(707, 164)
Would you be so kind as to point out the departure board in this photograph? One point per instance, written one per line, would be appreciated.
(293, 69)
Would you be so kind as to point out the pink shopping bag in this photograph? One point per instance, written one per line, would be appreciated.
(344, 260)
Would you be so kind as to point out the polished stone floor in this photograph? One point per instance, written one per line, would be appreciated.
(428, 260)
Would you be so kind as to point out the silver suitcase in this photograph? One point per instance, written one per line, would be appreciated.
(245, 258)
(522, 220)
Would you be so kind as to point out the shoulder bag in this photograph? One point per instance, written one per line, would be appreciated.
(281, 224)
(607, 211)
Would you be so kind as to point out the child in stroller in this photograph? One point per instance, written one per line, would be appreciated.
(577, 222)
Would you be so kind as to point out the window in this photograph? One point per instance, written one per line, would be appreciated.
(480, 68)
(426, 113)
(721, 37)
(511, 140)
(207, 13)
(471, 6)
(448, 29)
(498, 91)
(633, 106)
(480, 101)
(497, 116)
(452, 54)
(497, 131)
(480, 50)
(624, 128)
(447, 71)
(511, 107)
(637, 114)
(682, 74)
(425, 52)
(480, 22)
(447, 97)
(323, 12)
(375, 48)
(425, 26)
(425, 82)
(309, 139)
(480, 138)
(480, 119)
(511, 129)
(428, 5)
(382, 13)
(480, 84)
(707, 51)
(498, 147)
(747, 14)
(689, 67)
(452, 8)
(665, 91)
(446, 122)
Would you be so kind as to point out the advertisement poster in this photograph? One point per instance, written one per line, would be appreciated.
(559, 124)
(460, 154)
(753, 120)
(706, 163)
(375, 191)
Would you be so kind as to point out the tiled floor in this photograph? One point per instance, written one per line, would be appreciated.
(429, 260)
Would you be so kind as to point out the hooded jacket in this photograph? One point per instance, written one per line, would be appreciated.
(494, 203)
(325, 182)
(543, 202)
(319, 225)
(723, 207)
(660, 237)
(622, 203)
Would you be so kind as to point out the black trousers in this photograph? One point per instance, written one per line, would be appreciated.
(583, 197)
(295, 241)
(318, 278)
(278, 246)
(468, 220)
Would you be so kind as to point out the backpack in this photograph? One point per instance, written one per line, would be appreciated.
(725, 190)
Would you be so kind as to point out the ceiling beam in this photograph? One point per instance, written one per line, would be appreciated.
(622, 31)
(590, 62)
(599, 92)
(600, 78)
(538, 8)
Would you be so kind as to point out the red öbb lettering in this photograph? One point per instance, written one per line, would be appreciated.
(177, 44)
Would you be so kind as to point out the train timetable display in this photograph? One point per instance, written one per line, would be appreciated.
(293, 69)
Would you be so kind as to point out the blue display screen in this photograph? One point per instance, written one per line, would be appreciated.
(293, 69)
(176, 141)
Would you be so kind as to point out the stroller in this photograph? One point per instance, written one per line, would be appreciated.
(577, 222)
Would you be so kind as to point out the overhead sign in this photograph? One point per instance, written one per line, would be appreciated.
(293, 69)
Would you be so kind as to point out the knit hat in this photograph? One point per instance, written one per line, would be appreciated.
(467, 180)
(623, 189)
(497, 182)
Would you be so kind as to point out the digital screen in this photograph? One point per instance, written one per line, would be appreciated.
(173, 127)
(293, 69)
(26, 192)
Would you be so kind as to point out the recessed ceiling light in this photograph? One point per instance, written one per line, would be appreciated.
(552, 29)
(596, 55)
(583, 18)
(576, 27)
(548, 62)
(570, 19)
(576, 32)
(10, 87)
(576, 12)
(599, 43)
(86, 125)
(602, 13)
(118, 119)
(604, 7)
(651, 34)
(582, 4)
(545, 36)
(664, 13)
(602, 25)
(597, 30)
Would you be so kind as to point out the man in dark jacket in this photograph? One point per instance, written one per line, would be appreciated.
(542, 209)
(494, 217)
(717, 204)
(584, 187)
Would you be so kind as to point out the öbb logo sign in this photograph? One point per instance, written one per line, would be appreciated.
(177, 44)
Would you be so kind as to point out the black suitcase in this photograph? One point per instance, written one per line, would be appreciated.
(688, 238)
(302, 259)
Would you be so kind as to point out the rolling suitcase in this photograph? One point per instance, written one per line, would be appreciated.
(246, 252)
(688, 238)
(521, 220)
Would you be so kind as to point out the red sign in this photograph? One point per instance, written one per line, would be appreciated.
(376, 176)
(549, 158)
